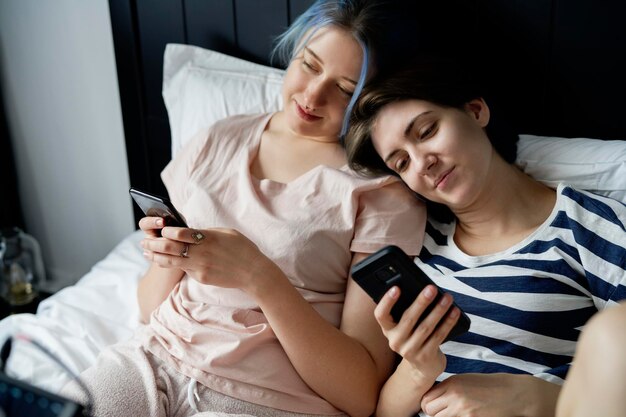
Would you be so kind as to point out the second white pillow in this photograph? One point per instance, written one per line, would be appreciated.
(594, 165)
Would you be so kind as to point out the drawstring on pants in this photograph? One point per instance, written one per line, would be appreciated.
(192, 395)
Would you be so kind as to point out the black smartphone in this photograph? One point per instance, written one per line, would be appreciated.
(389, 267)
(155, 206)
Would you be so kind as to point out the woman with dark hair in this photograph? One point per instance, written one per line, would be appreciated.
(530, 265)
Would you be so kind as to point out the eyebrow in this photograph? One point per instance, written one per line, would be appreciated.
(407, 131)
(309, 50)
(414, 120)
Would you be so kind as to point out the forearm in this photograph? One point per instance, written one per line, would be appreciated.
(541, 396)
(402, 393)
(494, 394)
(154, 287)
(333, 364)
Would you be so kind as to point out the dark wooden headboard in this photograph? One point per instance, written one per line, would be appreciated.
(557, 66)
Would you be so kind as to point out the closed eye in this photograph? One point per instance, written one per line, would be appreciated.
(345, 91)
(309, 66)
(429, 131)
(401, 163)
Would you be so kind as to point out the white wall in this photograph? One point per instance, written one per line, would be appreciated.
(57, 68)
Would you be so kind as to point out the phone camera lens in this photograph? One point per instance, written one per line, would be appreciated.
(384, 274)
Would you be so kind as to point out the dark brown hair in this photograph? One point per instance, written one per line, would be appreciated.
(446, 83)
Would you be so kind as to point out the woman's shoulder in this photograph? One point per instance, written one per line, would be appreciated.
(387, 195)
(587, 207)
(232, 131)
(372, 182)
(235, 131)
(240, 122)
(380, 187)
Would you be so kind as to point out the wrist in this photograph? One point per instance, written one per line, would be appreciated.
(421, 381)
(266, 280)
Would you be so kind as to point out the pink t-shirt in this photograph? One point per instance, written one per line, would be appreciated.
(309, 227)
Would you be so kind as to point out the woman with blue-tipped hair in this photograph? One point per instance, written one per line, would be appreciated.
(252, 309)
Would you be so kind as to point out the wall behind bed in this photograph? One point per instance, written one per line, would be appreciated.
(59, 85)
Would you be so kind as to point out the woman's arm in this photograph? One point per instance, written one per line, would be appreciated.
(346, 367)
(154, 287)
(418, 345)
(411, 389)
(402, 393)
(493, 395)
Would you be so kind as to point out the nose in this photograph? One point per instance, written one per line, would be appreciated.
(314, 94)
(425, 163)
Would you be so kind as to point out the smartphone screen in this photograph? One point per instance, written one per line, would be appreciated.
(156, 206)
(390, 267)
(19, 398)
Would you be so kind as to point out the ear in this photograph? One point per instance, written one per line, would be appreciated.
(479, 111)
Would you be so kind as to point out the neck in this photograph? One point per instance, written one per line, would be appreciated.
(510, 204)
(278, 125)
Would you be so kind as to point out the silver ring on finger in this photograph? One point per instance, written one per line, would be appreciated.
(185, 252)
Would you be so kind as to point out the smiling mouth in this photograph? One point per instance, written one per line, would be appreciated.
(304, 114)
(443, 177)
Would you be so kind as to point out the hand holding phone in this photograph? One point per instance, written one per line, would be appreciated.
(154, 206)
(390, 267)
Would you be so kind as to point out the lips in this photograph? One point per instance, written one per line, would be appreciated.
(304, 115)
(441, 181)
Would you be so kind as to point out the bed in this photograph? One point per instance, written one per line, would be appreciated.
(558, 66)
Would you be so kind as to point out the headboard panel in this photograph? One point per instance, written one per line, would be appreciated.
(555, 66)
(513, 37)
(587, 84)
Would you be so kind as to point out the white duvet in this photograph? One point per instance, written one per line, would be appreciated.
(77, 322)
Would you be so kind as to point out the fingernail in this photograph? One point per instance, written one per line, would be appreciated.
(445, 301)
(159, 222)
(429, 292)
(393, 292)
(146, 254)
(142, 243)
(454, 313)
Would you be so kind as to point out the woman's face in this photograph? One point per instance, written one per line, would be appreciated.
(319, 83)
(441, 153)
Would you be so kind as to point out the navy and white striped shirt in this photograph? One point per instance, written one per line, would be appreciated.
(528, 303)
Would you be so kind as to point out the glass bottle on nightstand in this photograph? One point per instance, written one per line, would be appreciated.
(21, 266)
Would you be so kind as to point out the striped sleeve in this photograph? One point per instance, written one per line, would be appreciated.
(598, 226)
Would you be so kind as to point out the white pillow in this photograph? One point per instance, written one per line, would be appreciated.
(201, 86)
(595, 165)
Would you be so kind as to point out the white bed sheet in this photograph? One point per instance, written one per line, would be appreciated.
(79, 321)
